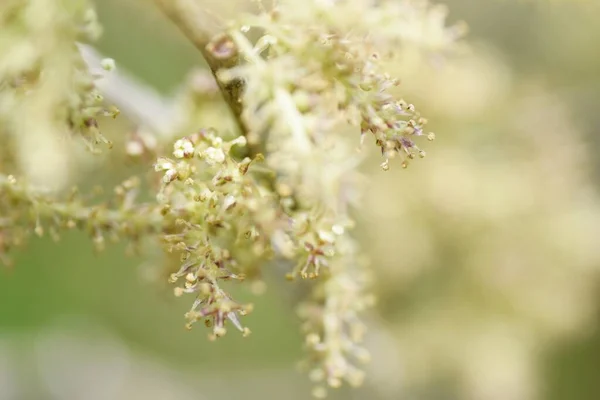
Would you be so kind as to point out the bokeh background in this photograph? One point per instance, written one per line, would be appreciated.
(486, 253)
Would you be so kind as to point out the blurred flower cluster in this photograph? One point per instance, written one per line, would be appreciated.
(494, 254)
(47, 92)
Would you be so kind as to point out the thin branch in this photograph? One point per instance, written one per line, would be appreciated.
(46, 206)
(219, 51)
(138, 101)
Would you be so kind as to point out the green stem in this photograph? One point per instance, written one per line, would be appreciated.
(132, 222)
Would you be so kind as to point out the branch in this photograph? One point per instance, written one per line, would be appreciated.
(219, 51)
(138, 101)
(22, 206)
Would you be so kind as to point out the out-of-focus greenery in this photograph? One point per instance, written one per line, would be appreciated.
(512, 174)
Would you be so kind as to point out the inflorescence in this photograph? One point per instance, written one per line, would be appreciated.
(280, 195)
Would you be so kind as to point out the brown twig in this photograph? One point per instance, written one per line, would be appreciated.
(218, 49)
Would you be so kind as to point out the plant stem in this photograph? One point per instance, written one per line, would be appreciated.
(133, 222)
(203, 31)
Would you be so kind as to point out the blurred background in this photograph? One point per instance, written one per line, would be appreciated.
(486, 253)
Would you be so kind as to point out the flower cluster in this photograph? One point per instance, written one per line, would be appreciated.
(47, 92)
(220, 212)
(303, 76)
(309, 78)
(229, 223)
(332, 315)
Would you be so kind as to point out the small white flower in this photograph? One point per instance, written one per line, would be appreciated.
(214, 155)
(170, 175)
(240, 141)
(183, 148)
(326, 237)
(178, 153)
(338, 229)
(229, 202)
(134, 148)
(108, 64)
(163, 164)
